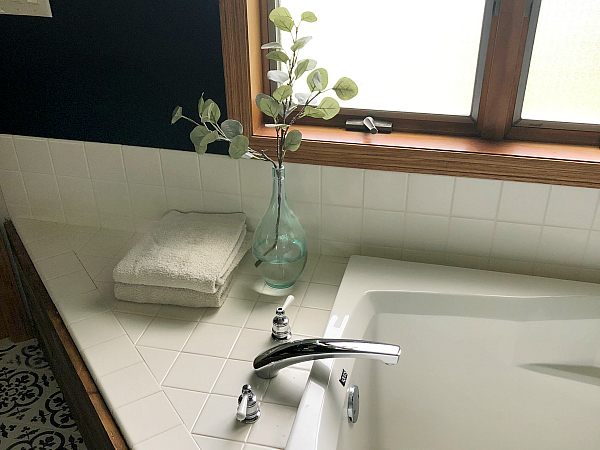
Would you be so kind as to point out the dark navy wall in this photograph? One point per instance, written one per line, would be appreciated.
(110, 71)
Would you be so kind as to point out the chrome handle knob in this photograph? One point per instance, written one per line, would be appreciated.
(248, 410)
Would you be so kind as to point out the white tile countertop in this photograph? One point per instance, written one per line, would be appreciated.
(171, 375)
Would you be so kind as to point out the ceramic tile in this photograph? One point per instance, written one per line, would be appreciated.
(278, 296)
(146, 418)
(246, 287)
(13, 187)
(257, 447)
(188, 404)
(591, 258)
(589, 275)
(111, 356)
(236, 374)
(562, 246)
(246, 265)
(82, 306)
(309, 215)
(177, 438)
(194, 372)
(381, 252)
(475, 198)
(339, 249)
(117, 222)
(76, 194)
(509, 266)
(93, 265)
(287, 387)
(167, 334)
(112, 198)
(251, 343)
(180, 312)
(556, 271)
(217, 202)
(69, 285)
(76, 218)
(255, 209)
(385, 190)
(311, 322)
(217, 419)
(8, 155)
(342, 186)
(384, 228)
(208, 443)
(212, 340)
(219, 174)
(76, 240)
(17, 211)
(148, 202)
(133, 324)
(95, 330)
(33, 154)
(328, 273)
(142, 165)
(303, 182)
(429, 194)
(68, 158)
(184, 200)
(256, 178)
(233, 312)
(523, 202)
(572, 207)
(57, 266)
(274, 427)
(423, 256)
(180, 169)
(514, 241)
(262, 315)
(102, 245)
(42, 191)
(308, 271)
(127, 385)
(45, 248)
(470, 236)
(341, 223)
(105, 161)
(159, 361)
(320, 296)
(48, 214)
(468, 261)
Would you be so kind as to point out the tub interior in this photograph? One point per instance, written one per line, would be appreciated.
(476, 372)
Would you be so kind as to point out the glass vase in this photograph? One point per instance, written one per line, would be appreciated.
(279, 242)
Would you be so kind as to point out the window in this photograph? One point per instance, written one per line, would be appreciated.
(478, 129)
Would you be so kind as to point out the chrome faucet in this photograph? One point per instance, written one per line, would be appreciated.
(248, 410)
(281, 331)
(270, 362)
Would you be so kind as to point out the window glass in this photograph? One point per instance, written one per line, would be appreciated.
(563, 84)
(410, 56)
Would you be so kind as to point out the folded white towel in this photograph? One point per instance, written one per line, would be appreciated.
(140, 293)
(188, 251)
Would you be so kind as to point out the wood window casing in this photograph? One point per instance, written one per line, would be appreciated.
(501, 150)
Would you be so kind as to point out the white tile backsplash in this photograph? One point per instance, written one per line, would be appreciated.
(503, 225)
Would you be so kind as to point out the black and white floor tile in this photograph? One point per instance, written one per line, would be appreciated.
(33, 412)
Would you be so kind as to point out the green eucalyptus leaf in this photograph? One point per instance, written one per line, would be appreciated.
(177, 114)
(211, 137)
(198, 134)
(282, 92)
(308, 16)
(345, 88)
(271, 45)
(278, 76)
(259, 97)
(291, 108)
(313, 112)
(277, 55)
(238, 146)
(232, 128)
(277, 125)
(317, 80)
(282, 19)
(211, 112)
(292, 140)
(303, 66)
(330, 107)
(300, 43)
(302, 98)
(201, 105)
(271, 107)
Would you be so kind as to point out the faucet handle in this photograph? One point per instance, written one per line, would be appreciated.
(281, 330)
(247, 411)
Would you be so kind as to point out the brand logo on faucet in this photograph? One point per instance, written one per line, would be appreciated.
(343, 377)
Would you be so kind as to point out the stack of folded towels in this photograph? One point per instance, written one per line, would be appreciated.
(187, 260)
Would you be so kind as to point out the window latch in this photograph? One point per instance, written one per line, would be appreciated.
(369, 125)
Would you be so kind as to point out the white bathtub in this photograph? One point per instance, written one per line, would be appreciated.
(489, 361)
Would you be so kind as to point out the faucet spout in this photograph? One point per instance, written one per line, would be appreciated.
(270, 362)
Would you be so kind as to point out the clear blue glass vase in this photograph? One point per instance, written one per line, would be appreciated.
(279, 243)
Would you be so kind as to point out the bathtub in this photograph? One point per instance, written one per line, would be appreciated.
(489, 361)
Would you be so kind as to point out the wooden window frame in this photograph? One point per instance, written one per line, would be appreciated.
(564, 157)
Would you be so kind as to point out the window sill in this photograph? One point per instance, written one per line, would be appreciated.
(443, 155)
